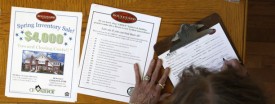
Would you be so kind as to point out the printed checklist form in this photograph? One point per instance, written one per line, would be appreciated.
(115, 40)
(207, 51)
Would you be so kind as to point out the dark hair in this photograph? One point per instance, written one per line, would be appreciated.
(198, 86)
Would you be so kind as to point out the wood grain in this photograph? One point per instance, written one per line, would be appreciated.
(261, 15)
(172, 12)
(260, 59)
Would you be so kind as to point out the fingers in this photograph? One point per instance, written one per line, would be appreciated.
(224, 66)
(156, 72)
(163, 78)
(236, 65)
(137, 74)
(151, 68)
(207, 31)
(233, 63)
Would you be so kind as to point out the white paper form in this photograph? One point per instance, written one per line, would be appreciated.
(115, 40)
(43, 54)
(208, 52)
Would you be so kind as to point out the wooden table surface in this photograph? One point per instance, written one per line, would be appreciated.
(172, 12)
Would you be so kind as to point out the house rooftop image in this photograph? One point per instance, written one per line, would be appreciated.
(42, 64)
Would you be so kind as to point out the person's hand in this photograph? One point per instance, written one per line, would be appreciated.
(148, 90)
(235, 65)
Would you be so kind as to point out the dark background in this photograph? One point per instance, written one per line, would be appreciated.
(260, 45)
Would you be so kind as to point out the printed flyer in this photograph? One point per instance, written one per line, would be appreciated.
(43, 54)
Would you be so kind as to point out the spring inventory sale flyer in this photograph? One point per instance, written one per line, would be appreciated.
(43, 54)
